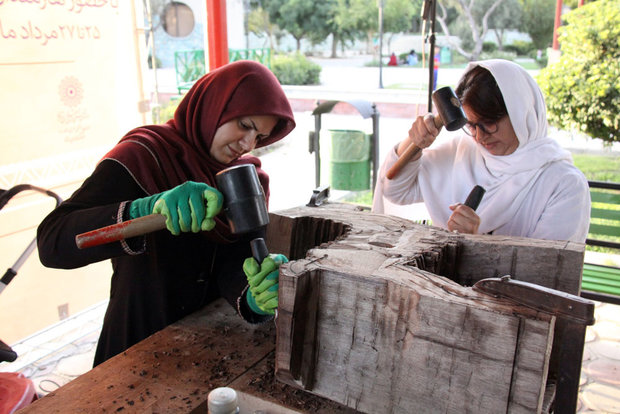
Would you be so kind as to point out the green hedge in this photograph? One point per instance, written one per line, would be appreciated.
(521, 48)
(295, 69)
(489, 47)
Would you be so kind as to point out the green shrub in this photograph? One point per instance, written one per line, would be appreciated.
(543, 60)
(372, 64)
(521, 48)
(489, 47)
(582, 89)
(295, 69)
(498, 54)
(166, 111)
(512, 49)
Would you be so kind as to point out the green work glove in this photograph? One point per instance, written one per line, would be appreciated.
(262, 296)
(190, 206)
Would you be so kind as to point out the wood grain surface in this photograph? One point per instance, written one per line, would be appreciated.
(377, 313)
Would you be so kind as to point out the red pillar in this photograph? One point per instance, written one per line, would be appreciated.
(217, 31)
(558, 22)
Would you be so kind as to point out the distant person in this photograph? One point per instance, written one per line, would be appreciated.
(393, 60)
(412, 58)
(170, 169)
(532, 187)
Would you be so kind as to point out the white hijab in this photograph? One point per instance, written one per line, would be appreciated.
(507, 179)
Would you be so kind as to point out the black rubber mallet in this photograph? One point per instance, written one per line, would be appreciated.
(244, 205)
(451, 116)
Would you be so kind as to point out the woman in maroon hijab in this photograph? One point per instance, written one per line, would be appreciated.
(161, 277)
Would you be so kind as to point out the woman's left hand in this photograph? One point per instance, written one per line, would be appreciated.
(463, 219)
(263, 281)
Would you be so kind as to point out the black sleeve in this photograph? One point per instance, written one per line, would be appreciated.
(94, 205)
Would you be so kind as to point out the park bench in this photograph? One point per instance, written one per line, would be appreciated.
(601, 282)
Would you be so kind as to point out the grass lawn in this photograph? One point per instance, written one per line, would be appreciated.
(599, 167)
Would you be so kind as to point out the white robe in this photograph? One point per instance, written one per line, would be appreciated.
(534, 192)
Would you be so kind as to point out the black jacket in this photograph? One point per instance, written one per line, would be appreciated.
(157, 279)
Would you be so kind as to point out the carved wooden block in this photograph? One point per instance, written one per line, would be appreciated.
(376, 313)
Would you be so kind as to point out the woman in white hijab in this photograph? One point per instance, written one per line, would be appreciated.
(532, 187)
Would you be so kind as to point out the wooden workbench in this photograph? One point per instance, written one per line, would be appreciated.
(174, 370)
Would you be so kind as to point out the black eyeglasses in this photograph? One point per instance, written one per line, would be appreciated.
(471, 129)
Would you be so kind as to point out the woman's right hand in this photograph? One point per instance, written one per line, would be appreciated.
(191, 206)
(422, 133)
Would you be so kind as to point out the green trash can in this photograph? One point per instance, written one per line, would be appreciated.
(350, 160)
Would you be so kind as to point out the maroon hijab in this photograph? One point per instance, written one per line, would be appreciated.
(160, 157)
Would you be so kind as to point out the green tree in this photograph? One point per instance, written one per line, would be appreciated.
(311, 19)
(473, 25)
(397, 16)
(507, 16)
(416, 19)
(538, 21)
(359, 18)
(571, 4)
(261, 26)
(582, 89)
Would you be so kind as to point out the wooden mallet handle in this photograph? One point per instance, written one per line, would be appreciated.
(120, 231)
(408, 154)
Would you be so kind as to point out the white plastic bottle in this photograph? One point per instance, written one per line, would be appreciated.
(223, 400)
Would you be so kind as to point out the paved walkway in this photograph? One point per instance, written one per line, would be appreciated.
(600, 373)
(64, 351)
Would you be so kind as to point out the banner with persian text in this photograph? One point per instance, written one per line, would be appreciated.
(71, 74)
